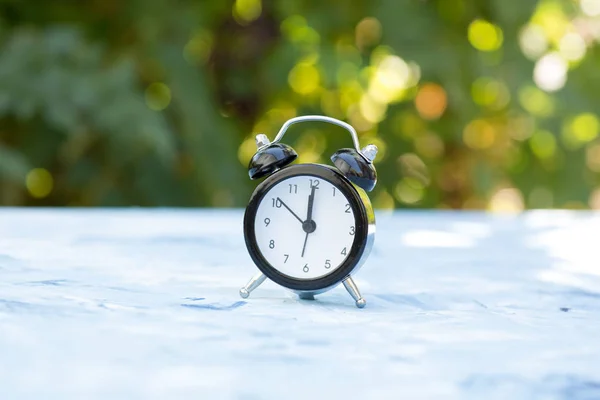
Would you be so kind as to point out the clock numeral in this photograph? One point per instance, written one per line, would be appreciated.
(333, 187)
(305, 269)
(343, 252)
(293, 188)
(352, 230)
(327, 264)
(276, 202)
(272, 244)
(267, 221)
(314, 182)
(286, 257)
(348, 208)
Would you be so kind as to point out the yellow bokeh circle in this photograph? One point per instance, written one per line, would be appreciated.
(39, 183)
(485, 36)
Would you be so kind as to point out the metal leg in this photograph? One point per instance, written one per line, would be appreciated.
(354, 292)
(252, 284)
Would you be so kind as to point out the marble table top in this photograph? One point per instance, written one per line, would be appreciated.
(144, 304)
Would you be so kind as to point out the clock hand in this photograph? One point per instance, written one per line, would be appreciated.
(311, 202)
(290, 210)
(309, 225)
(304, 247)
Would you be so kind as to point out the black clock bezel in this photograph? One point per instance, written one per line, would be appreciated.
(361, 227)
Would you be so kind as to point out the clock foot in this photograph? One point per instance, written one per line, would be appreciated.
(306, 296)
(252, 284)
(354, 292)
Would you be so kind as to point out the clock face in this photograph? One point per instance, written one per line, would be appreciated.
(305, 226)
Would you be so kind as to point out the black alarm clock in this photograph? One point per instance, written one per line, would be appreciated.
(309, 227)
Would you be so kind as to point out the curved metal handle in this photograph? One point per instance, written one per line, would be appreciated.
(321, 118)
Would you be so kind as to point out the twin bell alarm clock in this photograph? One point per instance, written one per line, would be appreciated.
(309, 227)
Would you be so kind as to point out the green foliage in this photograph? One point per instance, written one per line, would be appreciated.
(156, 103)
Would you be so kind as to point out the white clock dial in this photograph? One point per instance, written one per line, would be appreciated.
(294, 247)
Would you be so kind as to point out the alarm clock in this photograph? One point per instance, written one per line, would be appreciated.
(310, 227)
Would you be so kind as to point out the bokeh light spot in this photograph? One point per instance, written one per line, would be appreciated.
(390, 79)
(533, 41)
(330, 103)
(572, 47)
(350, 95)
(310, 146)
(158, 96)
(584, 127)
(411, 166)
(379, 53)
(408, 125)
(198, 48)
(431, 101)
(372, 110)
(383, 201)
(592, 157)
(429, 145)
(536, 102)
(304, 78)
(292, 23)
(507, 200)
(479, 134)
(594, 201)
(358, 120)
(543, 144)
(550, 72)
(245, 11)
(295, 28)
(39, 183)
(550, 17)
(409, 191)
(367, 32)
(590, 7)
(485, 36)
(247, 150)
(521, 127)
(490, 93)
(281, 112)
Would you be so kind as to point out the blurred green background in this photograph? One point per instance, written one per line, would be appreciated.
(473, 104)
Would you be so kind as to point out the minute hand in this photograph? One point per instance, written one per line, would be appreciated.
(307, 224)
(311, 202)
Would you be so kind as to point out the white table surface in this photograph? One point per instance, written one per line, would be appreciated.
(144, 304)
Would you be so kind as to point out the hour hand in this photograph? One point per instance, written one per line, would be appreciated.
(290, 210)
